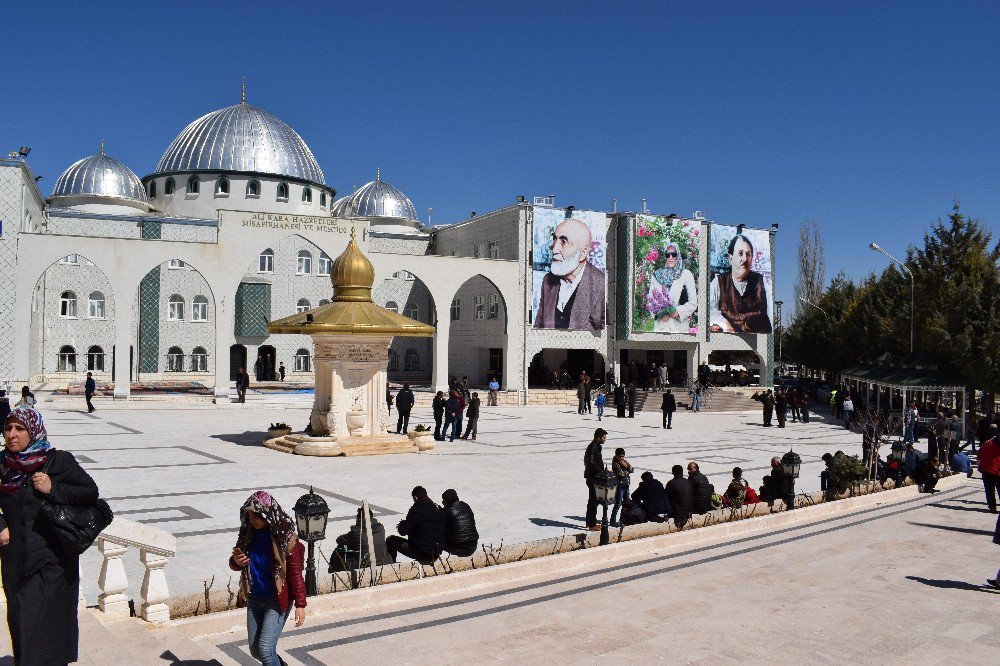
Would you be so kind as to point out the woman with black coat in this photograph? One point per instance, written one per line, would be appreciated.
(41, 580)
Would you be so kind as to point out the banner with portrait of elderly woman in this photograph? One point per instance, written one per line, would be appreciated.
(740, 294)
(568, 269)
(666, 275)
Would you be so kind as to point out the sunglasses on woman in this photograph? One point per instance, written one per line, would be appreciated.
(672, 255)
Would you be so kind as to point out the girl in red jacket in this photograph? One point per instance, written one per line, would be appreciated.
(269, 558)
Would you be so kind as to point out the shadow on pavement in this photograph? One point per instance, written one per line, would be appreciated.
(248, 438)
(959, 508)
(953, 584)
(169, 656)
(964, 530)
(546, 522)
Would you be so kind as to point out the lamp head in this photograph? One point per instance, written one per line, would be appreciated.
(873, 245)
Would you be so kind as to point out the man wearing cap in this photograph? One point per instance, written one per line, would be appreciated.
(593, 466)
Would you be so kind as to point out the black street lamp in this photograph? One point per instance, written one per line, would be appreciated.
(899, 453)
(311, 512)
(791, 463)
(605, 486)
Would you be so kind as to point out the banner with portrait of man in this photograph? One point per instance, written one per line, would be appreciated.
(568, 269)
(740, 294)
(665, 275)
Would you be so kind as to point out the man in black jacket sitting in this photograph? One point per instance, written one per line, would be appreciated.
(651, 496)
(460, 535)
(680, 496)
(424, 525)
(702, 489)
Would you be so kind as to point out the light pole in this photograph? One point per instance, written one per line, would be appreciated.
(781, 360)
(814, 305)
(875, 247)
(791, 463)
(311, 513)
(606, 485)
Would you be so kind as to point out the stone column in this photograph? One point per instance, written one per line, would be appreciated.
(154, 590)
(439, 372)
(319, 419)
(123, 347)
(112, 581)
(224, 339)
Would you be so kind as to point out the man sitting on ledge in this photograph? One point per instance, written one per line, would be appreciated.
(424, 525)
(460, 535)
(926, 475)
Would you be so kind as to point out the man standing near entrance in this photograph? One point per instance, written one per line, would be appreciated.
(89, 389)
(404, 403)
(242, 384)
(593, 466)
(668, 408)
(572, 292)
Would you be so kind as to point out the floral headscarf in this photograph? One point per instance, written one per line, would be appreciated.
(17, 467)
(283, 538)
(667, 275)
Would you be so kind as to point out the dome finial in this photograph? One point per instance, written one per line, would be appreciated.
(243, 91)
(352, 274)
(102, 146)
(378, 174)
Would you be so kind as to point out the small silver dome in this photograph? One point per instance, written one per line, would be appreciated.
(376, 199)
(100, 176)
(241, 138)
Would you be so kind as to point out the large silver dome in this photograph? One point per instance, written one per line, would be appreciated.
(241, 138)
(376, 199)
(100, 176)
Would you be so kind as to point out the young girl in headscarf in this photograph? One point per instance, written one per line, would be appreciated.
(41, 580)
(269, 558)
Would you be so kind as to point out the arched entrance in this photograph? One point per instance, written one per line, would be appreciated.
(410, 359)
(478, 332)
(237, 360)
(561, 368)
(265, 368)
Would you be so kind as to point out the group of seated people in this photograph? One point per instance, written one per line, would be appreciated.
(924, 469)
(426, 532)
(682, 497)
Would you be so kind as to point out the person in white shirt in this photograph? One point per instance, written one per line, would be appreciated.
(848, 412)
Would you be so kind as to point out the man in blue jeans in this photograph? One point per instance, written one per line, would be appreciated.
(911, 423)
(452, 413)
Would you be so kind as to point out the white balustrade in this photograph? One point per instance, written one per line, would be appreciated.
(156, 547)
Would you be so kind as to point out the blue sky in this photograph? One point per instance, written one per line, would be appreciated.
(870, 117)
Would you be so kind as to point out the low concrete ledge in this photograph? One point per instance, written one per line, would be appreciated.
(506, 563)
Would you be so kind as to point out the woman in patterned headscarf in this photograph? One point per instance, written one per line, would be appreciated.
(679, 283)
(269, 558)
(41, 580)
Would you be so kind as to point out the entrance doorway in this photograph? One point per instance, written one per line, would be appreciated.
(264, 367)
(237, 360)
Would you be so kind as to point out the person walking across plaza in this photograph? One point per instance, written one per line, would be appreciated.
(404, 403)
(804, 405)
(270, 560)
(242, 384)
(472, 416)
(668, 407)
(599, 402)
(593, 466)
(89, 389)
(437, 405)
(781, 406)
(989, 467)
(793, 403)
(848, 412)
(622, 470)
(41, 581)
(494, 387)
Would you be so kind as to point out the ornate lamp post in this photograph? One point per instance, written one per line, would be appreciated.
(605, 486)
(791, 463)
(899, 454)
(311, 513)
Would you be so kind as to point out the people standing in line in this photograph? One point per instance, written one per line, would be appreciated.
(40, 580)
(4, 406)
(623, 471)
(620, 401)
(599, 402)
(27, 398)
(437, 405)
(452, 413)
(494, 387)
(631, 401)
(472, 416)
(242, 384)
(668, 407)
(424, 528)
(781, 406)
(768, 403)
(910, 421)
(680, 495)
(989, 467)
(793, 403)
(270, 560)
(89, 389)
(460, 535)
(593, 466)
(404, 403)
(702, 489)
(848, 412)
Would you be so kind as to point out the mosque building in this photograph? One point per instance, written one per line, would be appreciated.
(176, 275)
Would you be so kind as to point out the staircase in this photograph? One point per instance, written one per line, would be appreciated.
(720, 400)
(132, 641)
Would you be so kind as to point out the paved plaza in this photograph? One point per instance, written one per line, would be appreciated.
(188, 469)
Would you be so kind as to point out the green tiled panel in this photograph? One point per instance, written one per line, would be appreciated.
(253, 310)
(149, 320)
(151, 229)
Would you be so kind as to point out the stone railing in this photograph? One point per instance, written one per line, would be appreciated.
(156, 547)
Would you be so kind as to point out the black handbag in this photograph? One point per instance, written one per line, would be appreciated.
(77, 527)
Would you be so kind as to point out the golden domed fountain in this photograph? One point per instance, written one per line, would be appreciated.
(351, 336)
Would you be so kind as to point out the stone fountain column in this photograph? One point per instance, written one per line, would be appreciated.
(350, 386)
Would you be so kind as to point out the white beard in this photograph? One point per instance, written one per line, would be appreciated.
(563, 267)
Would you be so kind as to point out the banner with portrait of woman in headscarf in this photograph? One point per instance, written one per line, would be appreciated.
(666, 275)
